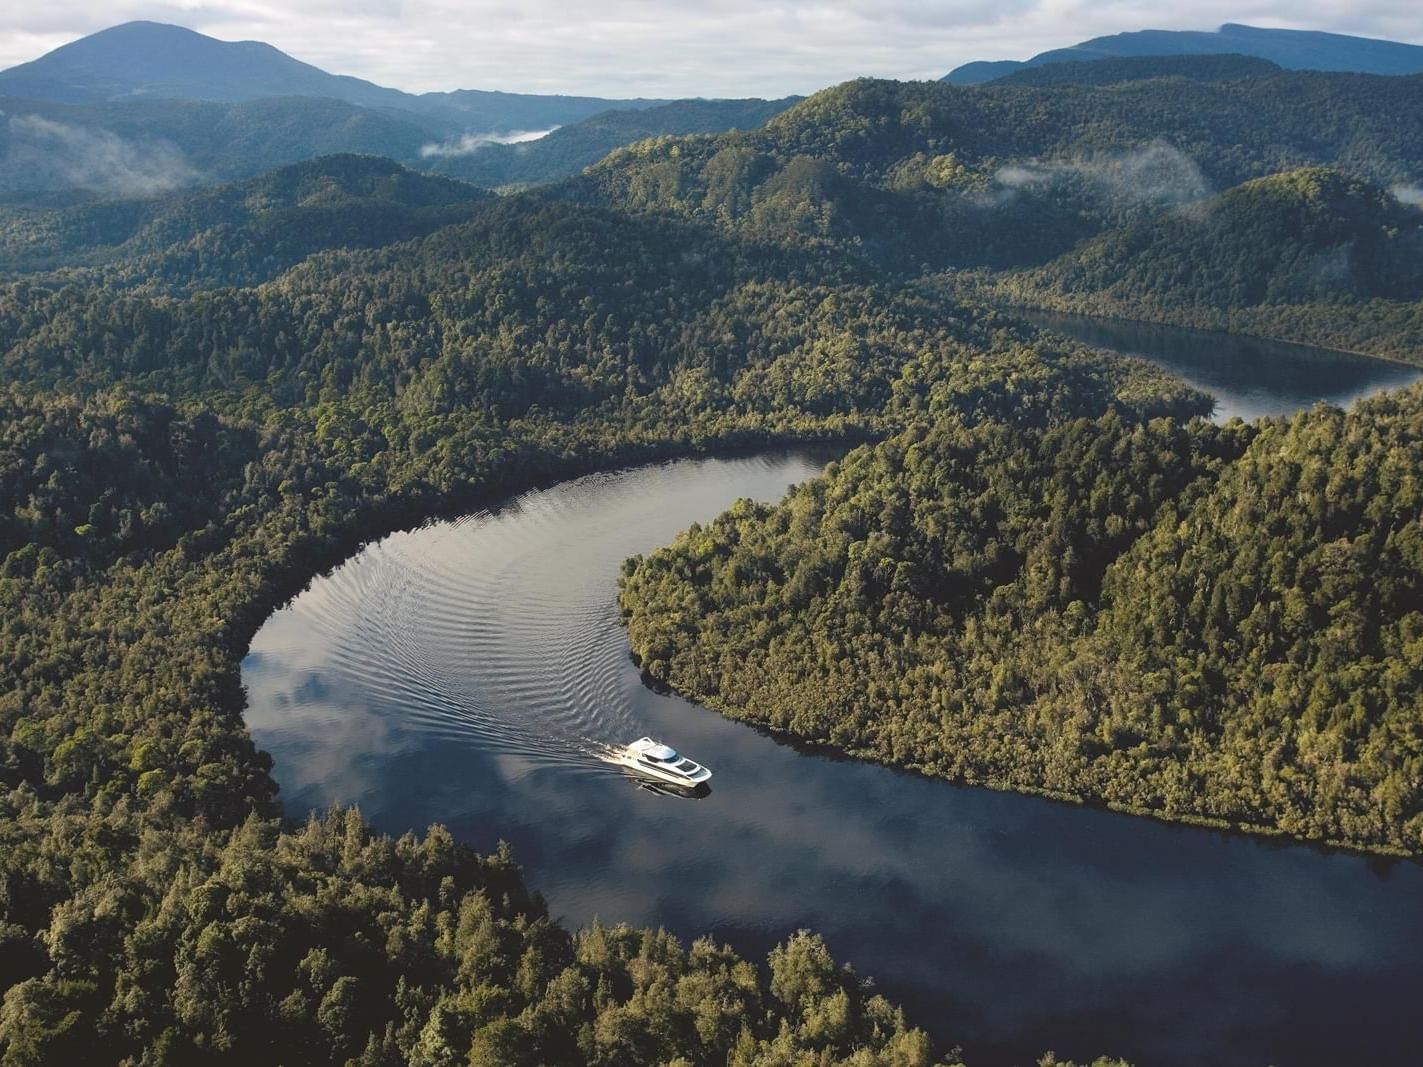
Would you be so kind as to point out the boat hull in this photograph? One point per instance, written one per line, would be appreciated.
(658, 774)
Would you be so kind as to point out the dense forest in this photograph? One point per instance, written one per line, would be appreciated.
(1040, 577)
(174, 466)
(918, 175)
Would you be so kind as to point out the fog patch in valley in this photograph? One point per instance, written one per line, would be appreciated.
(468, 143)
(1153, 175)
(46, 154)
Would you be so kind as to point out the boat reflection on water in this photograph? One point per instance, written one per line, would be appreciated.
(666, 789)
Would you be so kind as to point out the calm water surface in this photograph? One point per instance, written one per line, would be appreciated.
(464, 673)
(1247, 376)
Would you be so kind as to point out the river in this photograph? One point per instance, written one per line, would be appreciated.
(465, 671)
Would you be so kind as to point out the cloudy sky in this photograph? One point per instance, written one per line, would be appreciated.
(671, 47)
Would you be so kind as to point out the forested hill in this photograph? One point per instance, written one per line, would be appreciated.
(568, 149)
(1193, 622)
(242, 233)
(1312, 254)
(929, 174)
(1298, 237)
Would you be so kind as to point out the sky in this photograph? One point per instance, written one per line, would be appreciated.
(672, 48)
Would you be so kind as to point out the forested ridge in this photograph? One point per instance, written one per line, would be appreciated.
(212, 397)
(1114, 71)
(565, 151)
(920, 175)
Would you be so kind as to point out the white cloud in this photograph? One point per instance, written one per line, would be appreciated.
(673, 47)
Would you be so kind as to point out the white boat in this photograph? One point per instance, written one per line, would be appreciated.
(666, 764)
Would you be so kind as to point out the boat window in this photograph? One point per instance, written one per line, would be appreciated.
(686, 766)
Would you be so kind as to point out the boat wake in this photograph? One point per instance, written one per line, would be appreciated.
(443, 626)
(498, 630)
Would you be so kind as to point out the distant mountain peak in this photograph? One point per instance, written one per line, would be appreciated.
(1291, 49)
(156, 60)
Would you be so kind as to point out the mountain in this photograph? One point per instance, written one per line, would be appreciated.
(139, 60)
(916, 174)
(1139, 68)
(242, 233)
(568, 149)
(1292, 49)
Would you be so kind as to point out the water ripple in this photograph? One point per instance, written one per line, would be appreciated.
(500, 629)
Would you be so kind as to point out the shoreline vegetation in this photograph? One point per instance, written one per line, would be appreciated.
(1144, 317)
(1263, 324)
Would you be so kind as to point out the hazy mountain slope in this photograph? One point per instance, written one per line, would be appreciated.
(1292, 49)
(1139, 68)
(243, 233)
(569, 149)
(153, 146)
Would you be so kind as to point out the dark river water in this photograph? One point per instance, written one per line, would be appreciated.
(1248, 377)
(466, 672)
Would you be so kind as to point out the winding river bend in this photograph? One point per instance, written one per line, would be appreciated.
(466, 672)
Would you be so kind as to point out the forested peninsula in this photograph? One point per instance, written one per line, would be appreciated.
(1214, 624)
